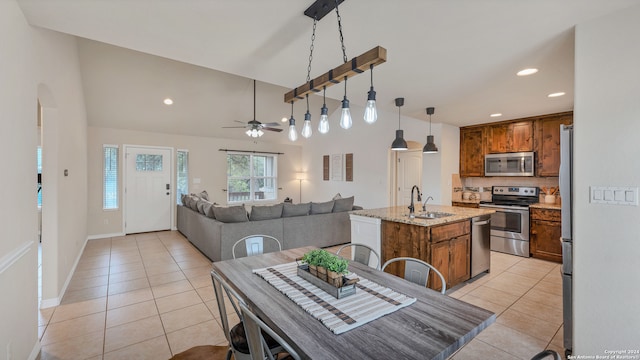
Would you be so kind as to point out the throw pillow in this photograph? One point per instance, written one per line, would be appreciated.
(337, 196)
(193, 202)
(266, 212)
(203, 195)
(322, 208)
(231, 214)
(208, 209)
(344, 204)
(290, 210)
(183, 198)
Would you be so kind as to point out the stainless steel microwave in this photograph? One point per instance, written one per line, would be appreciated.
(510, 164)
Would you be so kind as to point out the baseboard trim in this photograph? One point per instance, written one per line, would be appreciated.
(104, 236)
(35, 351)
(45, 303)
(15, 255)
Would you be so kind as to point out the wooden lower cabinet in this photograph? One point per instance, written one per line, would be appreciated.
(446, 247)
(546, 230)
(465, 204)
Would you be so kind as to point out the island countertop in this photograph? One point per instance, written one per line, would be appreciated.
(401, 214)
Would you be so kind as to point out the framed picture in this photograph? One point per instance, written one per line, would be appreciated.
(337, 167)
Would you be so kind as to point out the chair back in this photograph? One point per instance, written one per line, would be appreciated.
(361, 253)
(220, 287)
(417, 271)
(249, 315)
(255, 245)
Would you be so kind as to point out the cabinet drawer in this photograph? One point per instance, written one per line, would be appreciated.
(449, 231)
(546, 214)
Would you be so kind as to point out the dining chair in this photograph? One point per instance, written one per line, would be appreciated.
(417, 271)
(255, 245)
(265, 329)
(236, 335)
(361, 253)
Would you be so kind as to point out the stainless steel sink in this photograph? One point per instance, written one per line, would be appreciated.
(431, 215)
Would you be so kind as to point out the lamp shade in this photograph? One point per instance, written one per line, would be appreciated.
(399, 144)
(300, 176)
(430, 147)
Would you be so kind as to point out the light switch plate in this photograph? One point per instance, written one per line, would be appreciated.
(613, 195)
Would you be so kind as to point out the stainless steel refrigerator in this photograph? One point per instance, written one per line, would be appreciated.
(566, 169)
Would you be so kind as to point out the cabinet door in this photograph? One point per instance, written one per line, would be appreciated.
(521, 136)
(498, 138)
(545, 240)
(400, 240)
(440, 260)
(472, 152)
(459, 260)
(548, 144)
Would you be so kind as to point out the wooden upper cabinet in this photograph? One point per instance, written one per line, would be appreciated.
(547, 144)
(510, 137)
(472, 152)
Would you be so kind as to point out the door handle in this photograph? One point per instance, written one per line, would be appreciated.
(482, 223)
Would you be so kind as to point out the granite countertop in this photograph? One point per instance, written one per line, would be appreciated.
(545, 206)
(400, 214)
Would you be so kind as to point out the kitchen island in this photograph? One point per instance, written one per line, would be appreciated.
(444, 242)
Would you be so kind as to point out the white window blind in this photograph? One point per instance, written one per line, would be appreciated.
(182, 176)
(110, 177)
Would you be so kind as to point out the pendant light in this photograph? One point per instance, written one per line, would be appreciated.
(306, 127)
(345, 118)
(370, 111)
(323, 126)
(293, 134)
(430, 147)
(399, 144)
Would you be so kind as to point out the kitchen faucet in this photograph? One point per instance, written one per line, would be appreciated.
(424, 206)
(411, 207)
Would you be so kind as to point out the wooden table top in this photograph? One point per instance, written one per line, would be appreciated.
(434, 327)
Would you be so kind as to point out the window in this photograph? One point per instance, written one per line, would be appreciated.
(39, 155)
(148, 162)
(182, 177)
(251, 177)
(110, 177)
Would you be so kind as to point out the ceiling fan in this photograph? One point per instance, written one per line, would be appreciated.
(254, 127)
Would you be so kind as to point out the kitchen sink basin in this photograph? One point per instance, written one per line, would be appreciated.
(431, 215)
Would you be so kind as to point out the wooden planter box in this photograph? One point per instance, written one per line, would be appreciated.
(337, 292)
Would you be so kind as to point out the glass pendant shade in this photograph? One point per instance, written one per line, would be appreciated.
(345, 118)
(293, 134)
(323, 126)
(399, 144)
(430, 147)
(370, 111)
(306, 126)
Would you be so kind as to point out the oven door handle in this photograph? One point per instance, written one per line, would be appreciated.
(511, 209)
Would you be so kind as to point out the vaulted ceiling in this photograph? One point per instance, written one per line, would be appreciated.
(459, 56)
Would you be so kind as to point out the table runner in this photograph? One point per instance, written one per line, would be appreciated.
(370, 301)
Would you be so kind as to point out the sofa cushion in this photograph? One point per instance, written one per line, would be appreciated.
(231, 214)
(266, 212)
(290, 210)
(344, 204)
(322, 208)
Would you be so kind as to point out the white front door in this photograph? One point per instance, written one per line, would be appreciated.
(147, 189)
(408, 173)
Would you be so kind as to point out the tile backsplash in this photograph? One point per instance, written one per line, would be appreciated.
(480, 187)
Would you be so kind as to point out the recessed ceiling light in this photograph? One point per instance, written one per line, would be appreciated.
(556, 94)
(168, 101)
(284, 119)
(496, 115)
(525, 72)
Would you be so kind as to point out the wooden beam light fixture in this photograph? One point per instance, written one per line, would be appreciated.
(347, 69)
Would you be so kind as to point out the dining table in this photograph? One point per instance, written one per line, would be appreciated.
(435, 326)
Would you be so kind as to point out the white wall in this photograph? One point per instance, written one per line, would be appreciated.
(438, 168)
(35, 63)
(607, 124)
(206, 163)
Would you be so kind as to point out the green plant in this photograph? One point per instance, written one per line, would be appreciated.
(337, 264)
(315, 257)
(320, 257)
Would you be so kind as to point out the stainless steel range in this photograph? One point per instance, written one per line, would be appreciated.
(510, 222)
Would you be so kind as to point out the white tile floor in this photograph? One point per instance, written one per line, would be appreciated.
(149, 296)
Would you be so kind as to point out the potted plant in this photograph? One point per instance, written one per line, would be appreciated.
(336, 267)
(315, 258)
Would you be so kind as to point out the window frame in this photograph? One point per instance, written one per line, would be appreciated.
(185, 175)
(116, 187)
(252, 178)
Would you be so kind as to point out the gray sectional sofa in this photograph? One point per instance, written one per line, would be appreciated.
(214, 230)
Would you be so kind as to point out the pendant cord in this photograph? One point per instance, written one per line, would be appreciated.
(371, 70)
(344, 49)
(324, 96)
(254, 99)
(308, 104)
